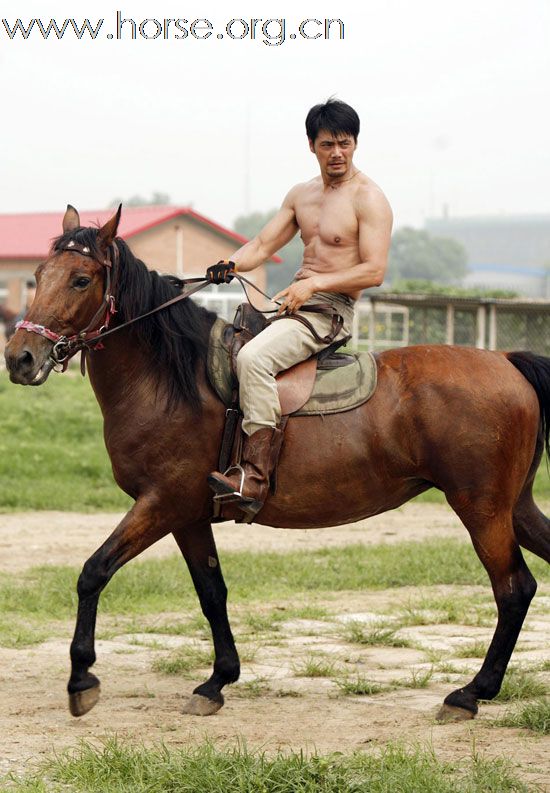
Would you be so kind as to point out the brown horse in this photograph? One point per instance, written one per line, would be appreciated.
(469, 422)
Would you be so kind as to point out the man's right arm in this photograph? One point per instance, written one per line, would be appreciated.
(276, 233)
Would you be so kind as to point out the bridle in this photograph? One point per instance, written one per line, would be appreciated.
(91, 337)
(64, 347)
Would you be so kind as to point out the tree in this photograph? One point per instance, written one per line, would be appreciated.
(278, 275)
(415, 254)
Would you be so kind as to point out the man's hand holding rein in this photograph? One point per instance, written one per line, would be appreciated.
(295, 295)
(221, 273)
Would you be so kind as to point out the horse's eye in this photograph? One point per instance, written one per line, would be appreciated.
(81, 282)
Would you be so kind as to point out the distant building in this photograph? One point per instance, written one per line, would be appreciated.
(504, 252)
(170, 239)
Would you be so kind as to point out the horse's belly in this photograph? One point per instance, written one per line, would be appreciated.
(332, 470)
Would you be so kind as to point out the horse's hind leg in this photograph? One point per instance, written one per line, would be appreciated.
(513, 587)
(140, 528)
(199, 550)
(532, 527)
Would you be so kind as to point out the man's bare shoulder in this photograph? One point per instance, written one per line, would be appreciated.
(370, 199)
(302, 189)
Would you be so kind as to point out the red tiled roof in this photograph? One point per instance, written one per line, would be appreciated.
(29, 235)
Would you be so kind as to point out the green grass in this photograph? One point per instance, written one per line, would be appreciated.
(373, 636)
(16, 632)
(420, 678)
(261, 623)
(52, 454)
(28, 600)
(476, 649)
(449, 609)
(520, 684)
(183, 660)
(308, 611)
(118, 768)
(315, 666)
(196, 625)
(533, 716)
(361, 686)
(282, 693)
(251, 689)
(448, 668)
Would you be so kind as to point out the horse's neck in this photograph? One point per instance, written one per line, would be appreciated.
(124, 381)
(117, 372)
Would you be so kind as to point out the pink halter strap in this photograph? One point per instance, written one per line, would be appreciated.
(32, 327)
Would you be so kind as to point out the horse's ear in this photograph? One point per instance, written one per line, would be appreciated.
(71, 219)
(107, 233)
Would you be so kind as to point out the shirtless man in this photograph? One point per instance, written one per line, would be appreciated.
(345, 223)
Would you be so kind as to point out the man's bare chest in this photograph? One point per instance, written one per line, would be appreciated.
(330, 217)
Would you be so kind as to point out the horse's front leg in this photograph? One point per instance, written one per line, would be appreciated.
(199, 550)
(143, 525)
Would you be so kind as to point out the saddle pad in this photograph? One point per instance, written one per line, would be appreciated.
(335, 390)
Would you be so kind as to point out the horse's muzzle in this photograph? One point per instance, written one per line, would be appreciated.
(25, 366)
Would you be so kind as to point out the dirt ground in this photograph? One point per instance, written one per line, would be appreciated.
(273, 707)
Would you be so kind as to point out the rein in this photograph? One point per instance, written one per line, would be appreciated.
(65, 347)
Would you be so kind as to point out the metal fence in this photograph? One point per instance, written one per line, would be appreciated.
(392, 320)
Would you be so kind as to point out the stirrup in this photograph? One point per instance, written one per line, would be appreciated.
(236, 495)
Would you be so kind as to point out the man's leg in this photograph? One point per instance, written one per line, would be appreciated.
(280, 346)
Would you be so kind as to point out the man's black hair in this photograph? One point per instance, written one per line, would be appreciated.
(334, 116)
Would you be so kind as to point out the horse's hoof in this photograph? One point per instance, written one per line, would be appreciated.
(197, 705)
(82, 701)
(448, 713)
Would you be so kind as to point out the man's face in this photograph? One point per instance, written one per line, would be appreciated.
(334, 153)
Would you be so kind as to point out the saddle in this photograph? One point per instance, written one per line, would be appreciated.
(294, 385)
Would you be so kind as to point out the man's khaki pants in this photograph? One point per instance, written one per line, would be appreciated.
(281, 345)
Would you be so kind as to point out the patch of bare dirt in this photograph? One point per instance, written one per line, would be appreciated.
(273, 706)
(31, 538)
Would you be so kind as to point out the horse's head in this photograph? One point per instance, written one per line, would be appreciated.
(70, 297)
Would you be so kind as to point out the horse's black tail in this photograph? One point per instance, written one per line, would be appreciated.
(536, 369)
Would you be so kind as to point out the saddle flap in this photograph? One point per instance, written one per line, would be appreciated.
(248, 322)
(295, 385)
(248, 318)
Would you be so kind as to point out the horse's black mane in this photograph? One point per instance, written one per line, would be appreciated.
(176, 338)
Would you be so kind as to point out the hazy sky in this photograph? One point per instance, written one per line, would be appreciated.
(453, 99)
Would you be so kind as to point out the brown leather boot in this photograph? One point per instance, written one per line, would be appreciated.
(247, 485)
